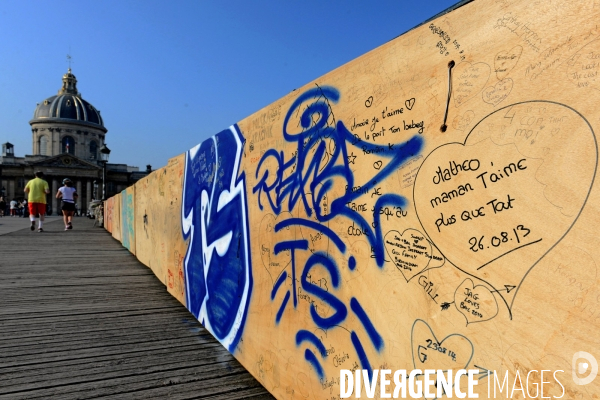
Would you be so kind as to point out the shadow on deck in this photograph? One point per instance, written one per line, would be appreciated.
(81, 318)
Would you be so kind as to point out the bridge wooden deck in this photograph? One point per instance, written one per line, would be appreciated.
(81, 318)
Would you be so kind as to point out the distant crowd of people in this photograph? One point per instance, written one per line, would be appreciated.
(19, 208)
(14, 208)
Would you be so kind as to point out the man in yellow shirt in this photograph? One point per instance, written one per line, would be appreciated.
(37, 189)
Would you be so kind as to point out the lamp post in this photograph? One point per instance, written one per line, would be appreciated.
(104, 153)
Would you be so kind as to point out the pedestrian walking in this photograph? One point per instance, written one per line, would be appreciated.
(36, 190)
(2, 206)
(13, 207)
(68, 194)
(25, 209)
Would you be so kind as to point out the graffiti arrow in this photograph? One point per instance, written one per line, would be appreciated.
(508, 288)
(483, 372)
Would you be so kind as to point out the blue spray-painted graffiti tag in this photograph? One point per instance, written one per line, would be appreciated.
(309, 180)
(316, 170)
(214, 216)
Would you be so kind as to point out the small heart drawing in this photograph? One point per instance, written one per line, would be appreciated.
(500, 91)
(476, 303)
(411, 252)
(377, 164)
(453, 352)
(461, 122)
(468, 80)
(410, 103)
(582, 70)
(505, 61)
(496, 204)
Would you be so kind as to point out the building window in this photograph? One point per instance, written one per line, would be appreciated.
(43, 145)
(21, 183)
(93, 150)
(68, 145)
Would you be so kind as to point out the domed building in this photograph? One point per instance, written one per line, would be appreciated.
(67, 124)
(68, 136)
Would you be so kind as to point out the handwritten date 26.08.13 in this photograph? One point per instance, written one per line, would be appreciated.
(480, 244)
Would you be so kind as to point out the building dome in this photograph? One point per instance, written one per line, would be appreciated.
(68, 107)
(67, 124)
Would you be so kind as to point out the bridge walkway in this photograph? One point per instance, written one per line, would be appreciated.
(81, 318)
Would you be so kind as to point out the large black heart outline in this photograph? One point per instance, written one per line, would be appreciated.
(518, 286)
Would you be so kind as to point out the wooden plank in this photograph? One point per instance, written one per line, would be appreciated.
(63, 378)
(208, 376)
(103, 360)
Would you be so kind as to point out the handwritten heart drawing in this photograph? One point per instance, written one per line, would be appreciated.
(496, 204)
(497, 93)
(476, 303)
(273, 263)
(454, 352)
(505, 61)
(468, 80)
(583, 67)
(462, 122)
(411, 252)
(409, 103)
(377, 164)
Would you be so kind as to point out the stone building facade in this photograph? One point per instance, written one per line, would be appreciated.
(67, 135)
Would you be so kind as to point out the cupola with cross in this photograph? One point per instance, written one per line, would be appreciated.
(66, 123)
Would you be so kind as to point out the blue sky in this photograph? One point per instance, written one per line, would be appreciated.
(167, 75)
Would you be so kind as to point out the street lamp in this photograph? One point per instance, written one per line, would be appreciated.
(104, 153)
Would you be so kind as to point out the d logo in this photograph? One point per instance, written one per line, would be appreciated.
(581, 367)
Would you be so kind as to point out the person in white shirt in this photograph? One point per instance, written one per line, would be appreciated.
(13, 208)
(69, 195)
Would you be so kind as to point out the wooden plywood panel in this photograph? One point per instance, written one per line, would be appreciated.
(149, 221)
(342, 228)
(116, 217)
(176, 247)
(158, 239)
(128, 218)
(108, 214)
(414, 237)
